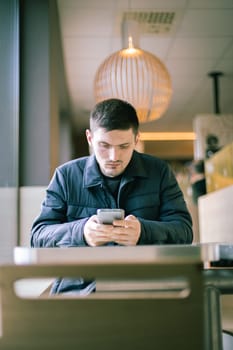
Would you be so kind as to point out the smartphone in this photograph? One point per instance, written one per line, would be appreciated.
(107, 216)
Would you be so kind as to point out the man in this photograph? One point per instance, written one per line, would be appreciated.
(114, 176)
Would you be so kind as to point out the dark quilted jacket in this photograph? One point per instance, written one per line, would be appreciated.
(148, 190)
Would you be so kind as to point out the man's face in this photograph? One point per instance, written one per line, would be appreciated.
(113, 149)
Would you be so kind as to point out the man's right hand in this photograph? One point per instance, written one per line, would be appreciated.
(97, 234)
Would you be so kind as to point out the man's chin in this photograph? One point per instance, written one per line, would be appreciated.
(112, 172)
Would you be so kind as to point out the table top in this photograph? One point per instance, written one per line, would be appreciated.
(226, 251)
(206, 252)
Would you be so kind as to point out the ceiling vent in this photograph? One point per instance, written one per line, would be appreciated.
(154, 22)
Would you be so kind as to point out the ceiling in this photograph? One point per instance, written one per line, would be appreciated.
(199, 41)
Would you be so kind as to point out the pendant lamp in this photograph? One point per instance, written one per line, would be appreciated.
(136, 76)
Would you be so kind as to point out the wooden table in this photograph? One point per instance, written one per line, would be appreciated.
(131, 270)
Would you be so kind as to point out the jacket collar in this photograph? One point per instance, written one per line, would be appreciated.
(93, 177)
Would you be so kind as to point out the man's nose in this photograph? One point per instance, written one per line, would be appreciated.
(113, 153)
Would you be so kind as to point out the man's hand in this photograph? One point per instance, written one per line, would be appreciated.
(97, 234)
(122, 232)
(127, 231)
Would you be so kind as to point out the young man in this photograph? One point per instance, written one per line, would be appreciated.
(114, 176)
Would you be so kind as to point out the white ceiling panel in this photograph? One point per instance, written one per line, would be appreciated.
(201, 42)
(85, 3)
(199, 47)
(211, 4)
(85, 47)
(229, 51)
(84, 22)
(190, 68)
(77, 69)
(156, 45)
(225, 66)
(206, 22)
(158, 4)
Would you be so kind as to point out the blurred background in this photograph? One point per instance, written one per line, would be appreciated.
(50, 54)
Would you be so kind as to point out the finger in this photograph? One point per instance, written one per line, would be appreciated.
(103, 228)
(130, 217)
(119, 223)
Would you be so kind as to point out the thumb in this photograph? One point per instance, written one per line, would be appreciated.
(130, 217)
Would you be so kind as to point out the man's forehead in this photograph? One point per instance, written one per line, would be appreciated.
(123, 136)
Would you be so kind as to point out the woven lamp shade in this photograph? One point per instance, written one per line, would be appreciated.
(138, 77)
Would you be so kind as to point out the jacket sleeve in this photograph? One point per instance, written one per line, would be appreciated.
(50, 228)
(174, 225)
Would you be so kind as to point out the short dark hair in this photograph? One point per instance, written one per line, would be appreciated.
(114, 114)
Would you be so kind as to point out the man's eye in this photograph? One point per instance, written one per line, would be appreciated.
(104, 145)
(124, 146)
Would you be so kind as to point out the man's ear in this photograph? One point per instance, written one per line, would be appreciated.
(139, 144)
(89, 137)
(137, 138)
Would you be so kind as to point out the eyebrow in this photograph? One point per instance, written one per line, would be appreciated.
(121, 144)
